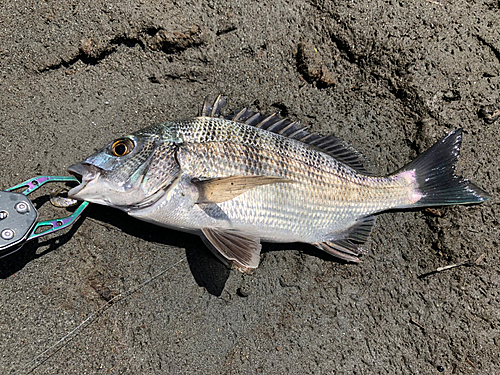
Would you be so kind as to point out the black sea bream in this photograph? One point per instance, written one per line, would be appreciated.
(247, 178)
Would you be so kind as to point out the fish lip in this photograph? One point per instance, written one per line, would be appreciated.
(85, 173)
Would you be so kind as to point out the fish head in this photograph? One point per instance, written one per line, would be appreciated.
(131, 172)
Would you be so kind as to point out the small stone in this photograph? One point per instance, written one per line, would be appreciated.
(310, 64)
(242, 293)
(451, 95)
(489, 113)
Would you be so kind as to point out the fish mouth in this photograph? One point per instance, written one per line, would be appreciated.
(85, 173)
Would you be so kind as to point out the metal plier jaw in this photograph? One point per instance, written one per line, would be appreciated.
(19, 217)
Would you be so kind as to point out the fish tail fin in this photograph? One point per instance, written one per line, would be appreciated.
(434, 171)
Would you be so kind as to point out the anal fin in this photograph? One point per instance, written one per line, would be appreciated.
(241, 249)
(348, 244)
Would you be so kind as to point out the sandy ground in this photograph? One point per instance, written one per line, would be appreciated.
(391, 77)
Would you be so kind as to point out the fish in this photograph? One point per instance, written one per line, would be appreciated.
(247, 178)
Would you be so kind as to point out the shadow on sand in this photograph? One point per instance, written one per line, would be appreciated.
(206, 269)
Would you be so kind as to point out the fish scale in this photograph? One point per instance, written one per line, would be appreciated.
(244, 178)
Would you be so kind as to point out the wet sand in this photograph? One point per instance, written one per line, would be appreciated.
(389, 77)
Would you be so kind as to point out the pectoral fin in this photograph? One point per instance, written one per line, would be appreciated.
(218, 190)
(241, 249)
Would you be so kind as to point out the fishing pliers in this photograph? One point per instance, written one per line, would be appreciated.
(19, 217)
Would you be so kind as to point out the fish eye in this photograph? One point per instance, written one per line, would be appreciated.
(122, 147)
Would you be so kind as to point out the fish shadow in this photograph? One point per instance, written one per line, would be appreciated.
(206, 269)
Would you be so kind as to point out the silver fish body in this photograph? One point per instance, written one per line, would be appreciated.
(323, 197)
(248, 178)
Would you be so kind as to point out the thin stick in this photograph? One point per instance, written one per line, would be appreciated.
(435, 2)
(449, 267)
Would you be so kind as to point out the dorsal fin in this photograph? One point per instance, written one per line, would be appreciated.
(208, 110)
(329, 144)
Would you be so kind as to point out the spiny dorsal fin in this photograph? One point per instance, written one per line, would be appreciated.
(208, 110)
(329, 144)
